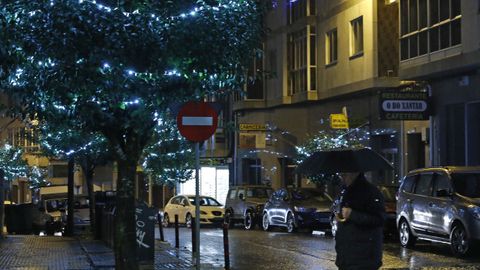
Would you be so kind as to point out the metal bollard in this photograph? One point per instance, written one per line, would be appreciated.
(177, 239)
(226, 249)
(194, 238)
(160, 227)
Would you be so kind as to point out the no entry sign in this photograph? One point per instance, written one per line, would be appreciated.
(197, 121)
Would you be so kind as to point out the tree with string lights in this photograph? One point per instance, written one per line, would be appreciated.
(12, 166)
(67, 138)
(169, 159)
(117, 67)
(12, 162)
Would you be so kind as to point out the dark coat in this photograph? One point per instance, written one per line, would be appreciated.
(359, 240)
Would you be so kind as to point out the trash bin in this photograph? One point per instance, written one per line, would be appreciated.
(19, 218)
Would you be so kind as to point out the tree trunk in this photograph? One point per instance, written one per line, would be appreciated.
(71, 197)
(91, 197)
(2, 205)
(125, 237)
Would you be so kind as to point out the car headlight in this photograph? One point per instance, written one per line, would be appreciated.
(475, 210)
(203, 213)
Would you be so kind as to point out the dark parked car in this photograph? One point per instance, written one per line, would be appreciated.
(245, 204)
(389, 193)
(440, 204)
(297, 208)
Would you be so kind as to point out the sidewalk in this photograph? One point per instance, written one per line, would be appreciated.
(59, 253)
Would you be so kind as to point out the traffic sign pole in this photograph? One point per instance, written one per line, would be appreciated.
(197, 121)
(197, 206)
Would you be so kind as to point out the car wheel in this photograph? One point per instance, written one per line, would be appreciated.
(165, 220)
(333, 226)
(405, 234)
(188, 220)
(459, 241)
(266, 223)
(248, 221)
(290, 223)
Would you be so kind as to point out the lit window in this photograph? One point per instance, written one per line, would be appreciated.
(301, 60)
(25, 138)
(356, 37)
(254, 86)
(331, 47)
(427, 26)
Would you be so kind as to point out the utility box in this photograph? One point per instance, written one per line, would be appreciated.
(19, 218)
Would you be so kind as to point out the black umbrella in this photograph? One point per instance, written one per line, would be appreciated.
(343, 160)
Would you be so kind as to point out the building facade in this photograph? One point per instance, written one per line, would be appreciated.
(322, 58)
(439, 44)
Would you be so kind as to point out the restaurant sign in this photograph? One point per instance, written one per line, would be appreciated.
(398, 104)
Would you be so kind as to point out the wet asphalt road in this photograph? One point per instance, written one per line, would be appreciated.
(300, 251)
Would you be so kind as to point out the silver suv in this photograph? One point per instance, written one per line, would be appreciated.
(441, 205)
(245, 204)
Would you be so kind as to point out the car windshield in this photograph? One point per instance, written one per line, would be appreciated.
(259, 192)
(388, 193)
(467, 184)
(307, 195)
(205, 201)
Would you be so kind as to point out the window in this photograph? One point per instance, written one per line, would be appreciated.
(252, 171)
(356, 37)
(331, 47)
(272, 69)
(241, 191)
(176, 200)
(427, 26)
(24, 138)
(232, 194)
(301, 60)
(407, 185)
(442, 182)
(258, 193)
(59, 171)
(424, 185)
(211, 202)
(254, 86)
(183, 201)
(467, 184)
(299, 9)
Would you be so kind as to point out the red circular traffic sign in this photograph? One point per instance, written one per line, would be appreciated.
(197, 121)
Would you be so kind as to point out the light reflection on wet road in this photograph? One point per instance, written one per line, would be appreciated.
(300, 251)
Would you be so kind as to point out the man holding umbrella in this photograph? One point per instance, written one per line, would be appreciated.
(359, 237)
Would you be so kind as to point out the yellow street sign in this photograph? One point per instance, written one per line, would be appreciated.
(256, 127)
(338, 121)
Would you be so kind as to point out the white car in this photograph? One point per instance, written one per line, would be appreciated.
(211, 211)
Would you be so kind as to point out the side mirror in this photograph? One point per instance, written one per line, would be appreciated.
(443, 193)
(241, 197)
